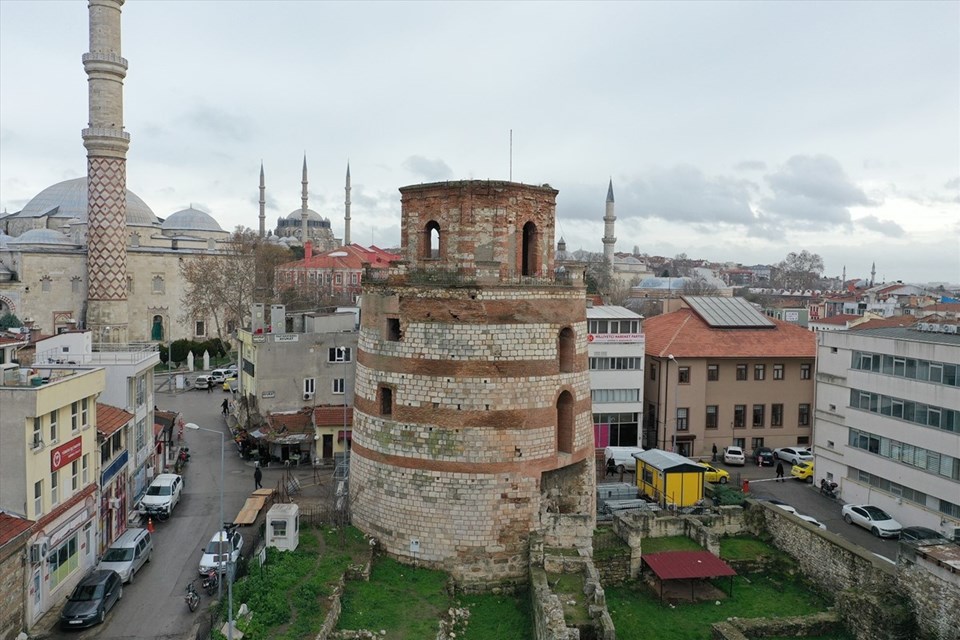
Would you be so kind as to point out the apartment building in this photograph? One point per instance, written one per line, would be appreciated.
(887, 420)
(48, 452)
(719, 372)
(615, 346)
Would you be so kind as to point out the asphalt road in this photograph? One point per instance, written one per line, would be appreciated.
(153, 605)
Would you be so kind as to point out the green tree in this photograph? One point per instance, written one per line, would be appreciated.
(8, 321)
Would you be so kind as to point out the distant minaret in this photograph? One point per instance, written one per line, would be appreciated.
(346, 209)
(609, 240)
(303, 204)
(107, 144)
(843, 279)
(263, 204)
(873, 274)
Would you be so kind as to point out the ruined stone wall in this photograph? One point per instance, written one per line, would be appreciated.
(548, 620)
(12, 581)
(934, 596)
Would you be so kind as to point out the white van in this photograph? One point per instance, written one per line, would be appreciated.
(623, 459)
(128, 553)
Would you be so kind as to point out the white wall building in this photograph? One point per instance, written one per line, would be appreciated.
(887, 422)
(615, 345)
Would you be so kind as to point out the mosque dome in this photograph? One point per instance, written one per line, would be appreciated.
(297, 214)
(41, 237)
(4, 239)
(68, 199)
(190, 219)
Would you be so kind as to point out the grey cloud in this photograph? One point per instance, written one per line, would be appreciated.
(885, 227)
(427, 169)
(684, 194)
(809, 191)
(750, 165)
(952, 184)
(218, 123)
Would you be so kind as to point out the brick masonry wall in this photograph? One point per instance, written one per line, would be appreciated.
(12, 581)
(934, 596)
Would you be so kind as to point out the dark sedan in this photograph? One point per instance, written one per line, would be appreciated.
(922, 535)
(763, 456)
(91, 599)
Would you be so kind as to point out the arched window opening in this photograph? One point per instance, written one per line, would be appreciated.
(156, 330)
(567, 350)
(565, 423)
(431, 241)
(529, 266)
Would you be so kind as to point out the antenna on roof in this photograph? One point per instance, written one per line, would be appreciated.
(511, 155)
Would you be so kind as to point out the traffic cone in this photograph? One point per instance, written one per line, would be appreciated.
(150, 524)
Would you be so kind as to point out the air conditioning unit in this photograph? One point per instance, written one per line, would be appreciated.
(307, 396)
(39, 550)
(114, 503)
(953, 533)
(949, 328)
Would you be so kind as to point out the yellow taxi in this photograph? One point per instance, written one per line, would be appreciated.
(229, 383)
(803, 471)
(714, 475)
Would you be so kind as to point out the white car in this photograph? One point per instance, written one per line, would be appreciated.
(162, 495)
(793, 455)
(812, 521)
(782, 505)
(230, 543)
(734, 455)
(872, 518)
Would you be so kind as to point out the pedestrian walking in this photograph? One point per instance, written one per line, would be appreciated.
(209, 385)
(780, 472)
(257, 476)
(224, 406)
(714, 459)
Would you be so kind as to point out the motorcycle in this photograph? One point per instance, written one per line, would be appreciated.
(191, 597)
(211, 582)
(829, 489)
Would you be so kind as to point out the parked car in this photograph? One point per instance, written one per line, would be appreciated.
(91, 599)
(203, 381)
(734, 456)
(803, 471)
(793, 455)
(128, 553)
(231, 544)
(230, 382)
(872, 518)
(922, 535)
(763, 456)
(714, 475)
(162, 495)
(219, 375)
(623, 459)
(232, 367)
(812, 521)
(781, 505)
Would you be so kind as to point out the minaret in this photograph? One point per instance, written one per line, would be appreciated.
(303, 204)
(346, 211)
(609, 240)
(106, 143)
(263, 204)
(843, 279)
(873, 274)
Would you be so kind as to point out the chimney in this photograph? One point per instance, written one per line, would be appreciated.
(307, 250)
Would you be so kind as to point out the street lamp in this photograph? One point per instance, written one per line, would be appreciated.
(221, 531)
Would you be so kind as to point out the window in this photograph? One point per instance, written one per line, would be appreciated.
(759, 371)
(129, 284)
(53, 425)
(74, 416)
(338, 386)
(386, 401)
(756, 443)
(279, 528)
(805, 372)
(75, 285)
(140, 435)
(45, 284)
(37, 432)
(803, 418)
(740, 442)
(85, 468)
(615, 395)
(713, 372)
(566, 350)
(776, 415)
(339, 354)
(37, 498)
(159, 287)
(84, 413)
(393, 329)
(683, 420)
(309, 385)
(778, 372)
(759, 411)
(141, 390)
(712, 416)
(739, 416)
(74, 475)
(683, 375)
(54, 488)
(338, 278)
(653, 371)
(741, 372)
(200, 328)
(63, 561)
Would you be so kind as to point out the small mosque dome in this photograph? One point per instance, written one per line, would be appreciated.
(4, 239)
(68, 199)
(190, 219)
(297, 214)
(41, 237)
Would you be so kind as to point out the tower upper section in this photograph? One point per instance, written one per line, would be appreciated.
(106, 69)
(609, 218)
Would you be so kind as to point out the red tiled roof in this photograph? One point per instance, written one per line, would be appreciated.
(298, 422)
(332, 416)
(356, 256)
(686, 565)
(110, 419)
(843, 318)
(881, 323)
(11, 527)
(684, 334)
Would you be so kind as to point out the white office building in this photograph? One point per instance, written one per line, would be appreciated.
(887, 422)
(616, 347)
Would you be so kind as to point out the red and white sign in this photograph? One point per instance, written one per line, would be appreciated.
(615, 337)
(66, 453)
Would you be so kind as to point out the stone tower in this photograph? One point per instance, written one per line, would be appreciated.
(106, 143)
(609, 240)
(346, 211)
(472, 422)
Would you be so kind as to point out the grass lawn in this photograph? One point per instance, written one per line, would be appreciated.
(493, 617)
(671, 543)
(638, 615)
(745, 548)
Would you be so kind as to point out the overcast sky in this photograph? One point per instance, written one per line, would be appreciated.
(732, 131)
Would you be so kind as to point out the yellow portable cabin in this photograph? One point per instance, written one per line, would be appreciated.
(669, 478)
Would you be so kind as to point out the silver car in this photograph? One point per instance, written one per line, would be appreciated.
(128, 553)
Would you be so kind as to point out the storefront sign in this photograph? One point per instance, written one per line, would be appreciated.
(66, 453)
(596, 338)
(268, 394)
(113, 468)
(259, 338)
(286, 337)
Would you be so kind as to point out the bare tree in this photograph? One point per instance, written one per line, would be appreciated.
(697, 285)
(798, 271)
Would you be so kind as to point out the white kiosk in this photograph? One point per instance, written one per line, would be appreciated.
(283, 526)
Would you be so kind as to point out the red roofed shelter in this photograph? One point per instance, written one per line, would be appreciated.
(692, 566)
